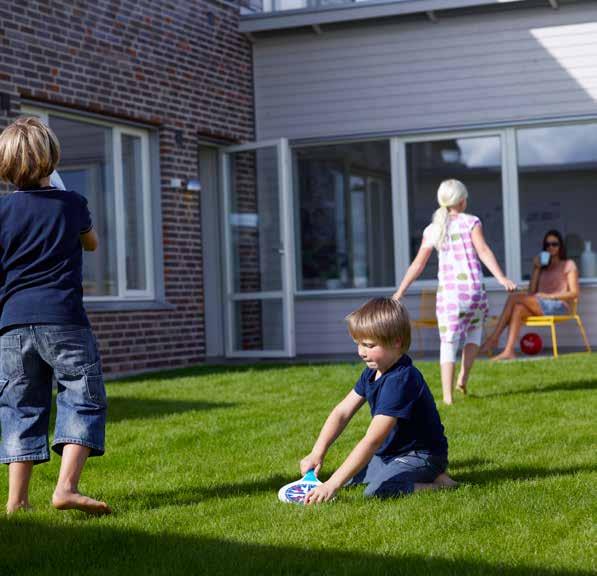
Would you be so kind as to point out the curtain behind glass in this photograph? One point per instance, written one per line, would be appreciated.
(345, 229)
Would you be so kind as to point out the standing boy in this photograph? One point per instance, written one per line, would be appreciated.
(405, 448)
(44, 331)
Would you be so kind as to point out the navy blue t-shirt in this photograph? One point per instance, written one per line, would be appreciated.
(41, 257)
(402, 393)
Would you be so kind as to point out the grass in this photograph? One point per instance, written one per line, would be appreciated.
(195, 458)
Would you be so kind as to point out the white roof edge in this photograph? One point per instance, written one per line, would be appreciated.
(354, 11)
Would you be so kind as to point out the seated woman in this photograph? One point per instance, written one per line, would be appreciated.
(551, 290)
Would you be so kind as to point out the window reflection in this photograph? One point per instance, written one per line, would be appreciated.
(556, 179)
(86, 166)
(345, 216)
(132, 189)
(254, 221)
(474, 161)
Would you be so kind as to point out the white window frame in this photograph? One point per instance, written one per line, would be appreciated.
(381, 290)
(399, 180)
(401, 228)
(118, 131)
(590, 281)
(509, 203)
(287, 252)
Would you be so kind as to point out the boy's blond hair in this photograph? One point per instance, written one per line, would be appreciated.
(29, 151)
(382, 320)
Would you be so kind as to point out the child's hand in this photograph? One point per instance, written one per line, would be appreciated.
(311, 462)
(323, 493)
(507, 284)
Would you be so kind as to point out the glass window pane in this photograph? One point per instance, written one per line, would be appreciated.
(474, 161)
(258, 325)
(134, 219)
(345, 228)
(556, 180)
(86, 166)
(254, 221)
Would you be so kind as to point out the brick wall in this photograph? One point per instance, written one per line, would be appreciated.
(179, 66)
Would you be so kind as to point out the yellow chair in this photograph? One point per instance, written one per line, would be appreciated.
(551, 321)
(426, 318)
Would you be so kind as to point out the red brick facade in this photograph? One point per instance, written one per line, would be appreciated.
(180, 67)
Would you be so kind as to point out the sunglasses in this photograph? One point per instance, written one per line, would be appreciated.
(552, 244)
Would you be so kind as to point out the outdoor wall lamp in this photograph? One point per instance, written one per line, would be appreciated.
(191, 185)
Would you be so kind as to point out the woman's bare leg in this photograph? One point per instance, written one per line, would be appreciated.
(527, 300)
(492, 340)
(521, 311)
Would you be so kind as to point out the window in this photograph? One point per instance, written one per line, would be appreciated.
(344, 214)
(557, 166)
(522, 181)
(476, 162)
(109, 165)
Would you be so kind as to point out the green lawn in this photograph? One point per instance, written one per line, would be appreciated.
(195, 458)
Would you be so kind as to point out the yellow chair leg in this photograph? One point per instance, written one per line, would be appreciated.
(419, 342)
(554, 340)
(583, 333)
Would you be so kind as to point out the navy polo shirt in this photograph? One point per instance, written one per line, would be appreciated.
(41, 257)
(402, 393)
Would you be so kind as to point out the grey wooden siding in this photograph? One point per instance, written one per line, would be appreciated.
(320, 326)
(392, 76)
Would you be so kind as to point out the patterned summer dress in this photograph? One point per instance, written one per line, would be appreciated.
(461, 303)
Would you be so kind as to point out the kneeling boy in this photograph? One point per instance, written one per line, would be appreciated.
(405, 448)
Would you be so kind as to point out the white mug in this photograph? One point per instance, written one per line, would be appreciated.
(544, 258)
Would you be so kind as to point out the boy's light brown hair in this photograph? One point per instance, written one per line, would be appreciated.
(382, 320)
(29, 151)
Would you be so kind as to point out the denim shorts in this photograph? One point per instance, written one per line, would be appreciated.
(391, 477)
(553, 307)
(31, 359)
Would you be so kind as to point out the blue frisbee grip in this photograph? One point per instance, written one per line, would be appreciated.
(310, 476)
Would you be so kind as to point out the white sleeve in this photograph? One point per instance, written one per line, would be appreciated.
(429, 236)
(56, 181)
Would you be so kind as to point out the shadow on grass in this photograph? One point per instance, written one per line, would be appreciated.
(494, 475)
(190, 495)
(556, 387)
(120, 409)
(252, 365)
(94, 549)
(473, 462)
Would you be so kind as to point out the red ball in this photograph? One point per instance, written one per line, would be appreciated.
(531, 344)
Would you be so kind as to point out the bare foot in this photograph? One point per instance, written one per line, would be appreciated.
(461, 386)
(504, 356)
(444, 481)
(12, 507)
(64, 500)
(448, 401)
